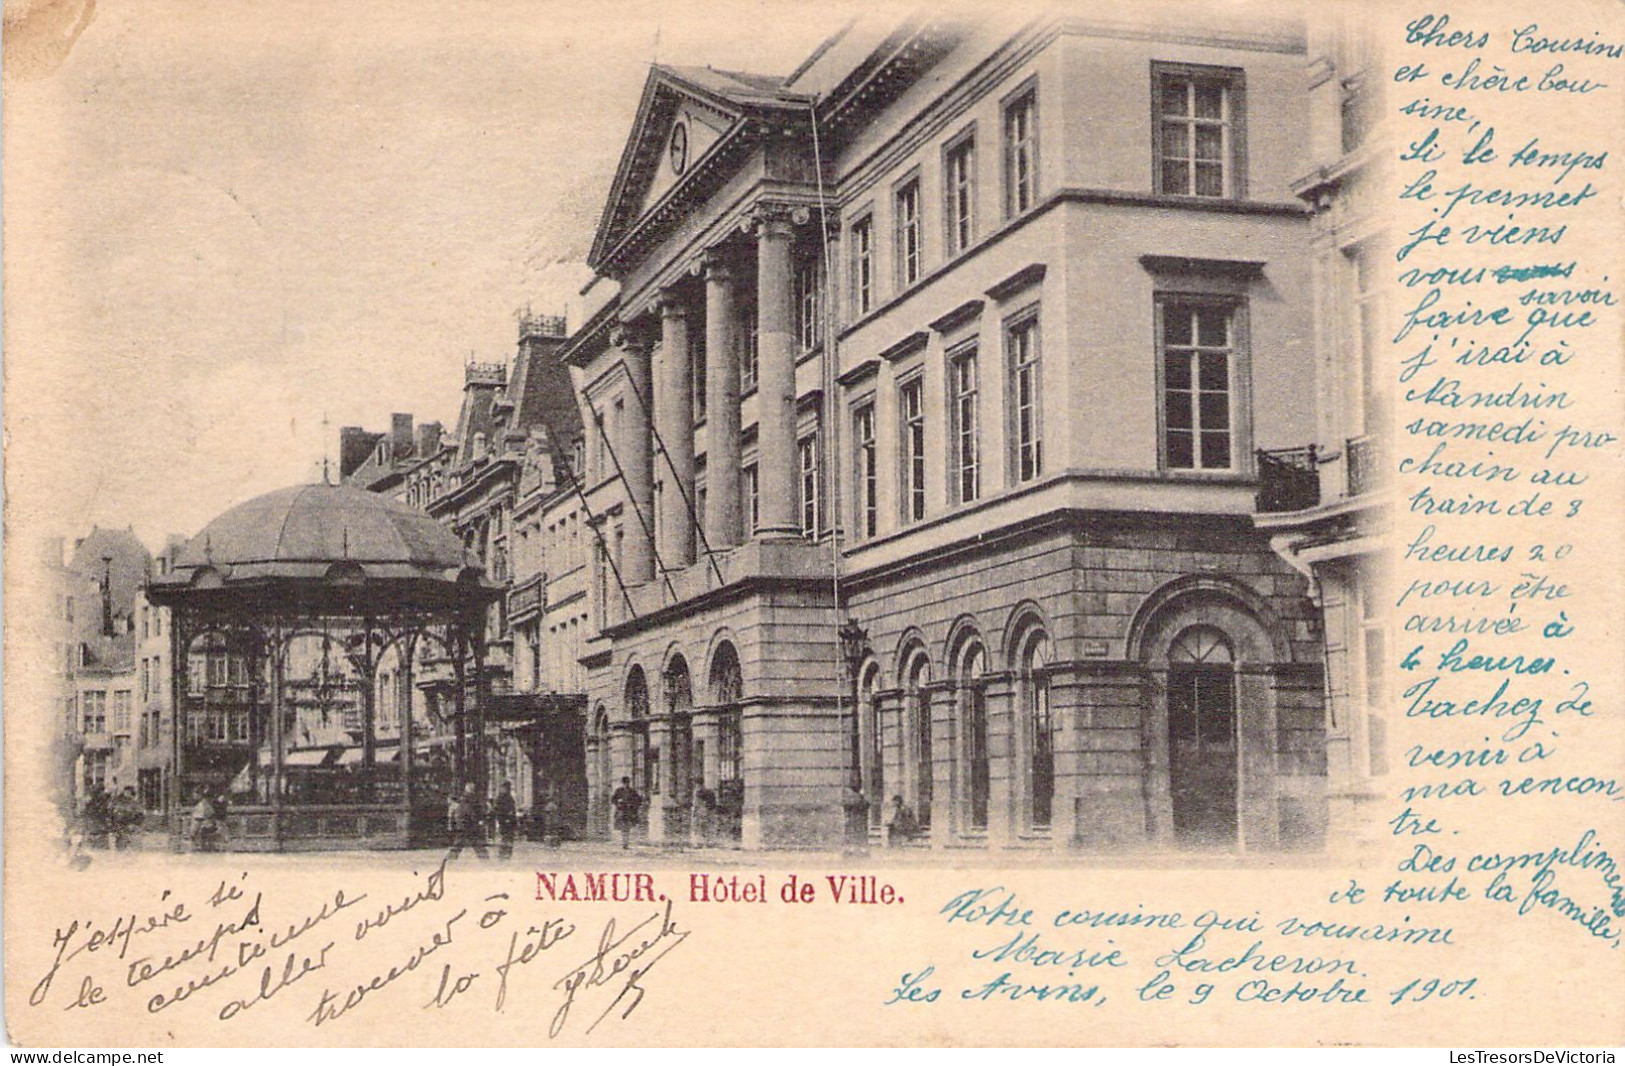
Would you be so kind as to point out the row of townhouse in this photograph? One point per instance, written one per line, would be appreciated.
(114, 714)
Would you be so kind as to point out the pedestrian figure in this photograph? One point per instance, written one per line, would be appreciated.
(627, 802)
(705, 817)
(126, 817)
(901, 827)
(97, 818)
(505, 816)
(470, 831)
(205, 825)
(551, 829)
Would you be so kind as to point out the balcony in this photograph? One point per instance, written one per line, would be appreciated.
(216, 727)
(1288, 480)
(97, 739)
(1367, 465)
(527, 599)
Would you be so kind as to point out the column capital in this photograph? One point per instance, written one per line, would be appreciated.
(769, 218)
(715, 264)
(672, 305)
(628, 337)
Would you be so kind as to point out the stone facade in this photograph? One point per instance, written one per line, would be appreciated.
(969, 343)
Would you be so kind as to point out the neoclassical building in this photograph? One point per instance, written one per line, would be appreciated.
(972, 342)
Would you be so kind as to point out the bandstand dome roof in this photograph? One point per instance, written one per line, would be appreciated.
(312, 539)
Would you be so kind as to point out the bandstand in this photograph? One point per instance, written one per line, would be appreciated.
(328, 651)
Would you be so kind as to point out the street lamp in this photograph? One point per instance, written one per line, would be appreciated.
(854, 642)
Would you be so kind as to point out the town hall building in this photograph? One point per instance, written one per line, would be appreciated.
(924, 435)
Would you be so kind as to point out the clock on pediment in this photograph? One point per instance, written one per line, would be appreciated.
(678, 148)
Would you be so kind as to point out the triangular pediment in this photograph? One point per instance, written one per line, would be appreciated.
(690, 132)
(683, 117)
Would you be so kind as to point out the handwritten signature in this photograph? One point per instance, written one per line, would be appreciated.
(626, 958)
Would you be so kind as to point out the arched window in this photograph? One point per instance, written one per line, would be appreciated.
(917, 705)
(1032, 664)
(727, 684)
(727, 690)
(973, 729)
(637, 710)
(679, 689)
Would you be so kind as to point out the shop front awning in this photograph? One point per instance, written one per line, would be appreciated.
(382, 753)
(531, 706)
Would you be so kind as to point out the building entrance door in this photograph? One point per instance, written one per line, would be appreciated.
(1202, 751)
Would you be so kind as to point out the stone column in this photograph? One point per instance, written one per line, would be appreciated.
(777, 469)
(722, 514)
(634, 452)
(1004, 770)
(674, 417)
(946, 799)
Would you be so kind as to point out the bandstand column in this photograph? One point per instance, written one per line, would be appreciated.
(405, 757)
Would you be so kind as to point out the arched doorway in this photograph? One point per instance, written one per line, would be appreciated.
(918, 751)
(643, 764)
(1032, 661)
(971, 664)
(679, 693)
(873, 741)
(603, 772)
(1202, 750)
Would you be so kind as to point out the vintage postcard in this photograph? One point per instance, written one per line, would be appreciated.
(822, 523)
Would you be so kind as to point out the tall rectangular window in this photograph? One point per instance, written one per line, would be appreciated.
(1021, 344)
(907, 215)
(656, 505)
(965, 449)
(747, 329)
(95, 709)
(959, 173)
(1198, 130)
(863, 265)
(866, 473)
(807, 459)
(1197, 342)
(696, 373)
(1369, 341)
(1021, 153)
(753, 501)
(912, 423)
(809, 293)
(121, 711)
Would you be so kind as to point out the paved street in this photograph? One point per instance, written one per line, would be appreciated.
(152, 848)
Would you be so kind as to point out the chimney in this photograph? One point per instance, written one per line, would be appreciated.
(107, 595)
(400, 435)
(355, 446)
(428, 439)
